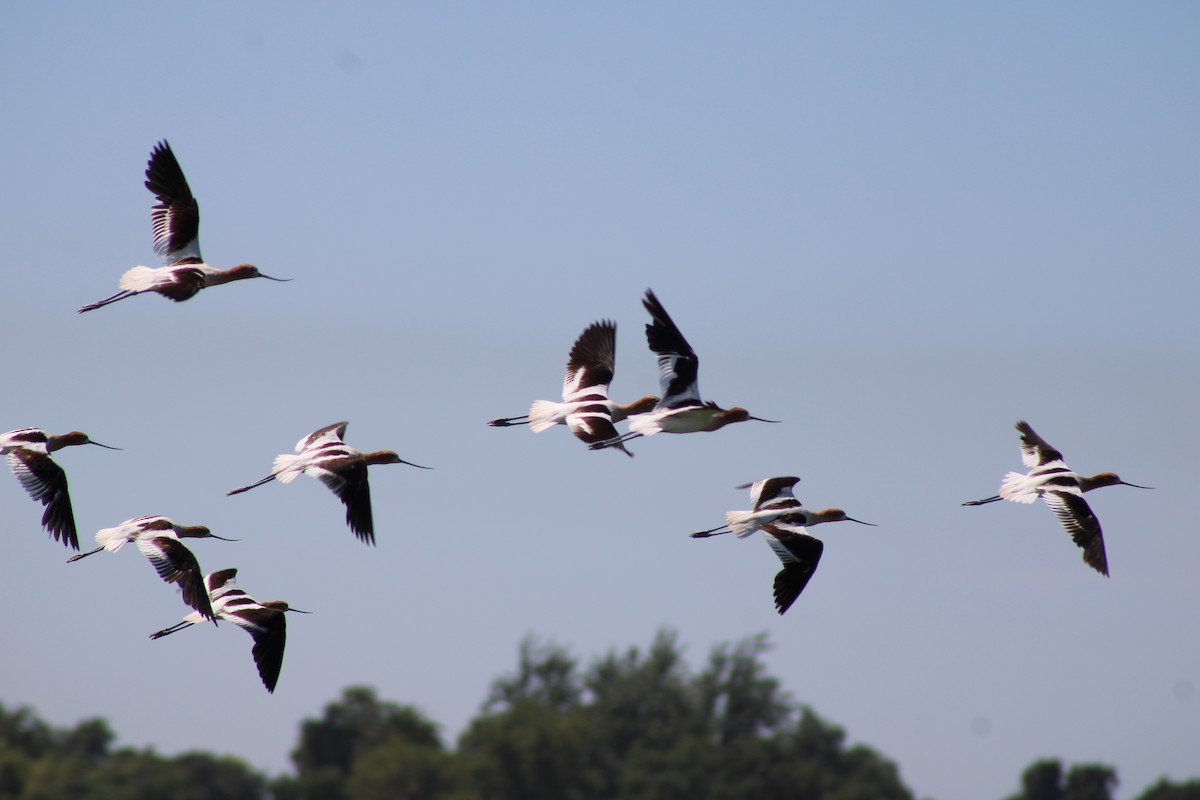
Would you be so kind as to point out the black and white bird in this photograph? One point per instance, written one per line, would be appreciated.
(175, 219)
(28, 451)
(783, 521)
(1062, 489)
(266, 622)
(323, 455)
(585, 408)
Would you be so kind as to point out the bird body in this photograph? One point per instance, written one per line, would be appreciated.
(323, 455)
(770, 499)
(175, 220)
(265, 622)
(1062, 490)
(28, 452)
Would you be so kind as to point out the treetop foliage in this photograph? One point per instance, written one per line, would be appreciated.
(632, 725)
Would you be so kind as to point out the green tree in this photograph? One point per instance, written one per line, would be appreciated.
(639, 725)
(1165, 790)
(356, 727)
(1045, 780)
(530, 740)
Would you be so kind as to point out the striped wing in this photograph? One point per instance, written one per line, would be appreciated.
(176, 216)
(772, 493)
(23, 437)
(46, 482)
(1077, 519)
(677, 362)
(591, 362)
(174, 563)
(330, 434)
(800, 554)
(223, 591)
(1035, 451)
(585, 386)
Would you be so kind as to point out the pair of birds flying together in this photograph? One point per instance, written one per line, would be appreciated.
(590, 415)
(783, 519)
(213, 596)
(323, 454)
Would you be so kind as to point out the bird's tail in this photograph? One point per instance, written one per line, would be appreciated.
(741, 523)
(137, 279)
(1018, 488)
(288, 466)
(545, 414)
(111, 539)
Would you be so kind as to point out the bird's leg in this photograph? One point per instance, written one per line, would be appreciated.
(717, 531)
(983, 501)
(504, 422)
(620, 440)
(118, 296)
(167, 631)
(78, 556)
(267, 479)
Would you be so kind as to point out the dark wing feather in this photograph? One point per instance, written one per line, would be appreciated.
(800, 554)
(348, 480)
(1077, 519)
(1035, 450)
(268, 626)
(176, 564)
(46, 482)
(592, 357)
(176, 216)
(678, 365)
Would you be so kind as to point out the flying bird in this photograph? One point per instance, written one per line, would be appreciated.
(265, 622)
(1062, 489)
(585, 408)
(158, 539)
(680, 410)
(323, 455)
(175, 220)
(28, 451)
(783, 521)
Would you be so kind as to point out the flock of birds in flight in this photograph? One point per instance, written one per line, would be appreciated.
(585, 410)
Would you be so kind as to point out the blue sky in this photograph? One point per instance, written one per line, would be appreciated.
(898, 228)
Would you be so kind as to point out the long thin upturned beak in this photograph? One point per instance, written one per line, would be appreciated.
(110, 447)
(222, 538)
(860, 522)
(760, 419)
(268, 277)
(298, 611)
(1134, 485)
